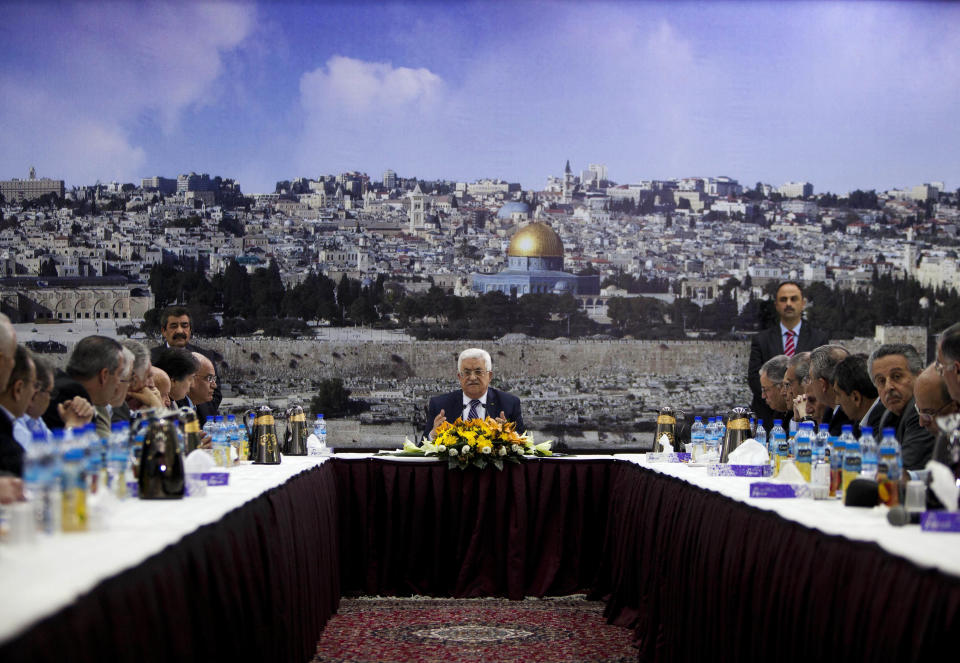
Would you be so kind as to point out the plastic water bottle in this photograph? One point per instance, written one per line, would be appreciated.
(209, 427)
(221, 443)
(836, 466)
(35, 459)
(780, 444)
(868, 453)
(230, 427)
(238, 437)
(118, 457)
(889, 467)
(317, 440)
(851, 457)
(73, 484)
(698, 438)
(804, 445)
(761, 434)
(721, 431)
(821, 443)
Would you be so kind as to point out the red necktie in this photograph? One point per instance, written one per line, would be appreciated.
(790, 345)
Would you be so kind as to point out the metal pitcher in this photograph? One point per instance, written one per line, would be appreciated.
(264, 436)
(738, 431)
(295, 436)
(160, 472)
(666, 426)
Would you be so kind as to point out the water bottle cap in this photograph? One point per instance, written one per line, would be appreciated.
(847, 428)
(118, 426)
(778, 422)
(219, 419)
(892, 432)
(698, 418)
(319, 416)
(39, 437)
(866, 430)
(59, 434)
(209, 418)
(230, 417)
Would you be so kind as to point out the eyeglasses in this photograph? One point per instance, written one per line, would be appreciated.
(927, 413)
(940, 368)
(476, 372)
(209, 378)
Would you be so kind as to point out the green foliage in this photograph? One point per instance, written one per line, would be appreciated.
(332, 399)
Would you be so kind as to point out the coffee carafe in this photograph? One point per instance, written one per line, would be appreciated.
(666, 426)
(295, 436)
(160, 473)
(264, 436)
(738, 431)
(191, 429)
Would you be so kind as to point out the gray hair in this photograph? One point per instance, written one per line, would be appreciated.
(141, 356)
(776, 368)
(91, 355)
(905, 350)
(7, 332)
(128, 360)
(801, 365)
(475, 353)
(44, 371)
(824, 360)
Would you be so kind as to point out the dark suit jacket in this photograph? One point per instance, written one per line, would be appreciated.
(876, 416)
(11, 453)
(916, 442)
(64, 388)
(768, 344)
(452, 405)
(206, 409)
(838, 419)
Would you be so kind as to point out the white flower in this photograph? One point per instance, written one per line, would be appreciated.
(486, 450)
(465, 450)
(451, 451)
(503, 451)
(516, 448)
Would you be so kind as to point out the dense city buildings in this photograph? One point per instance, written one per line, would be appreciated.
(15, 190)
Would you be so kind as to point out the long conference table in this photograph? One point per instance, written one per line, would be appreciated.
(691, 563)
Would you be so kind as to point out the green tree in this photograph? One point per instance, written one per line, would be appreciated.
(332, 399)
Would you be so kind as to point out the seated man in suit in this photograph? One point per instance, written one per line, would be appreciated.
(932, 399)
(476, 398)
(894, 368)
(94, 373)
(789, 337)
(823, 365)
(14, 400)
(856, 394)
(771, 386)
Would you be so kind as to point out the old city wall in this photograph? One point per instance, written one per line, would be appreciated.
(429, 359)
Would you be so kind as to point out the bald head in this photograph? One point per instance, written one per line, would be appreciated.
(8, 349)
(162, 382)
(204, 381)
(932, 398)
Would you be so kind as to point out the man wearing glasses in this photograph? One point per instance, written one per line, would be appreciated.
(176, 327)
(201, 391)
(932, 399)
(475, 398)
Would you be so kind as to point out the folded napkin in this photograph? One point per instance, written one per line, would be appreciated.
(943, 485)
(789, 473)
(665, 443)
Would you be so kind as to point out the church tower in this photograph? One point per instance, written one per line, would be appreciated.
(418, 209)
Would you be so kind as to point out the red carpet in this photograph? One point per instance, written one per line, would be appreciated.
(392, 630)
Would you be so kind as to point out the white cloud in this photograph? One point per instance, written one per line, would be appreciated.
(357, 86)
(116, 69)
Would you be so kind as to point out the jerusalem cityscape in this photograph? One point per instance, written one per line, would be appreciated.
(535, 331)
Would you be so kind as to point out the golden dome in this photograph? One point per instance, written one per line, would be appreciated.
(538, 240)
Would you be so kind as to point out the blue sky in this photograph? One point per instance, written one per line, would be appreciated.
(844, 95)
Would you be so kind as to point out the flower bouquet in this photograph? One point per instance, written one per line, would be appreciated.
(478, 442)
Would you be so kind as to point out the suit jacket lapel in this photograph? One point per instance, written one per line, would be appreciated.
(493, 407)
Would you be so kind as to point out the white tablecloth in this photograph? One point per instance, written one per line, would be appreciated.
(937, 550)
(38, 579)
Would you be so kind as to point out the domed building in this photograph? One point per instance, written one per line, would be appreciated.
(535, 265)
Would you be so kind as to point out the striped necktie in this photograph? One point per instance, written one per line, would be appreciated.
(473, 409)
(790, 345)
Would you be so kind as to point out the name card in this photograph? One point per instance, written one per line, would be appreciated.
(778, 490)
(940, 521)
(728, 470)
(221, 478)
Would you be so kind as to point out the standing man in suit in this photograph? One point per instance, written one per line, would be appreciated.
(894, 368)
(787, 338)
(475, 398)
(176, 327)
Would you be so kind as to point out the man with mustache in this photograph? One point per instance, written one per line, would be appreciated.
(789, 337)
(176, 328)
(894, 368)
(475, 398)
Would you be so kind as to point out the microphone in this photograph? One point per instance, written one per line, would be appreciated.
(898, 516)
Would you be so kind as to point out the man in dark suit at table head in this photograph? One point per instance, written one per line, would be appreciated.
(176, 327)
(475, 398)
(894, 368)
(823, 364)
(857, 395)
(788, 337)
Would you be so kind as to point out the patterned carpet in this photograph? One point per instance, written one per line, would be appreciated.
(426, 630)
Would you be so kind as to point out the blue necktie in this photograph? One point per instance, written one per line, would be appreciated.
(473, 409)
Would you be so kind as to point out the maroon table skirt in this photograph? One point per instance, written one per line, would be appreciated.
(419, 528)
(700, 576)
